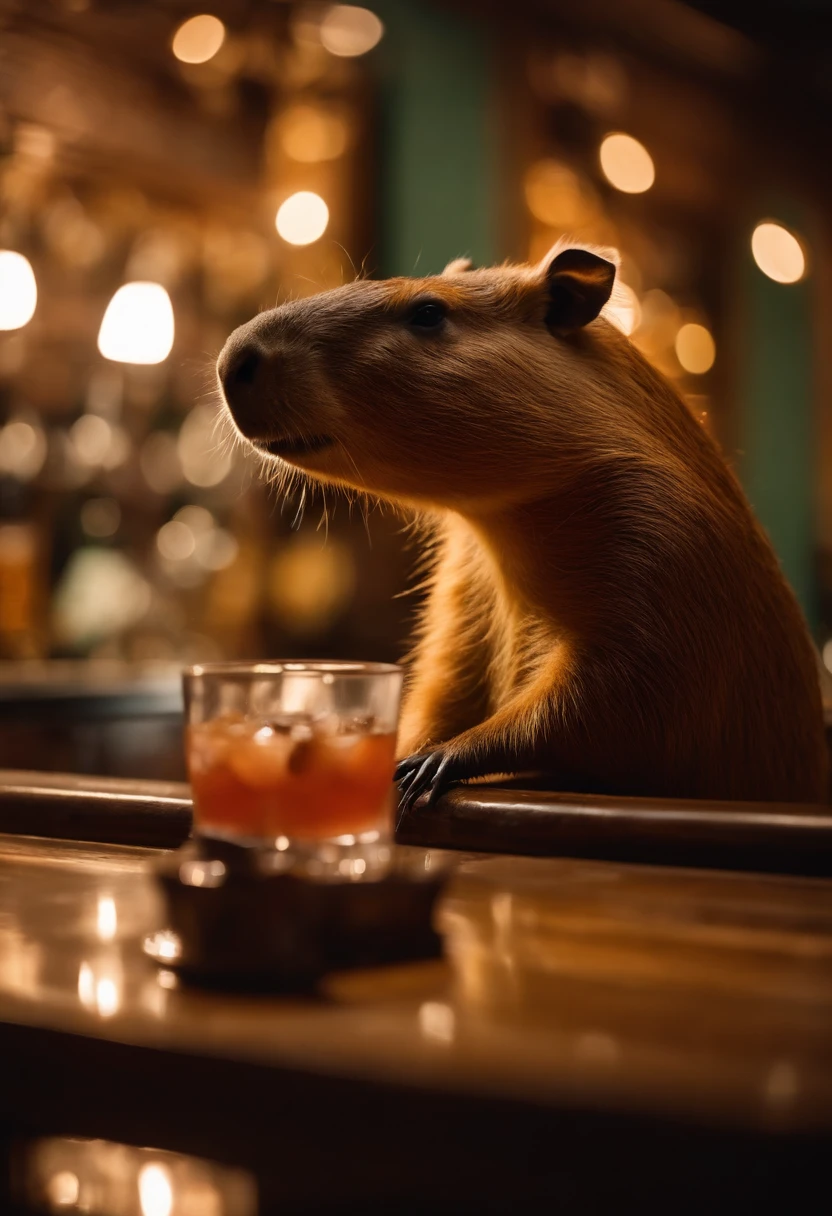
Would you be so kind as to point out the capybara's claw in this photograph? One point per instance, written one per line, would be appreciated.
(426, 773)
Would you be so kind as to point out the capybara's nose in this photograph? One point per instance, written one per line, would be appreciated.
(241, 369)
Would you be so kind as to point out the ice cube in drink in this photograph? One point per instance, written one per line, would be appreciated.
(293, 776)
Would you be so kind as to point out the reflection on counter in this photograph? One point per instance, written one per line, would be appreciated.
(101, 1178)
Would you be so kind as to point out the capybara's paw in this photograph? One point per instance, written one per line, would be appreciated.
(428, 773)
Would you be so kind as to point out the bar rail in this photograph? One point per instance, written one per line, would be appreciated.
(102, 810)
(775, 838)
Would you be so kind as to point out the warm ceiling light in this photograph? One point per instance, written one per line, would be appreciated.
(695, 349)
(18, 290)
(138, 325)
(302, 219)
(627, 164)
(349, 31)
(198, 39)
(778, 253)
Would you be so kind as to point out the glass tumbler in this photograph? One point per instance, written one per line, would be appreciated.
(296, 756)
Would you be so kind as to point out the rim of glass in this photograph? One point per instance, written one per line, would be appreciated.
(339, 668)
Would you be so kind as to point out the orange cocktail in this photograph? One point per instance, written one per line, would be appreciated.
(293, 751)
(288, 778)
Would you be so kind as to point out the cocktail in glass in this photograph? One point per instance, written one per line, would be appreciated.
(296, 755)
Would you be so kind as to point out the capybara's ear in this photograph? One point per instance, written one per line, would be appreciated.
(458, 266)
(578, 283)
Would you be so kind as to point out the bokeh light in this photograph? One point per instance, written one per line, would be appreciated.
(159, 462)
(138, 325)
(626, 163)
(302, 219)
(18, 290)
(205, 458)
(22, 448)
(97, 443)
(101, 593)
(695, 348)
(348, 31)
(100, 517)
(198, 39)
(556, 196)
(309, 134)
(175, 541)
(778, 253)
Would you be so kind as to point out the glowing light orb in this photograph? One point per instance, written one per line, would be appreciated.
(626, 163)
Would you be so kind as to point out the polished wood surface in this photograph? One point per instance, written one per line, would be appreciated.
(656, 1021)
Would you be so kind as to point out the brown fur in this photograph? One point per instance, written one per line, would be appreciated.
(603, 603)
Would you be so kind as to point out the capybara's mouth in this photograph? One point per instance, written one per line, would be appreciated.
(297, 446)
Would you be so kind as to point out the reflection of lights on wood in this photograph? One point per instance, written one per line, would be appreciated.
(695, 349)
(348, 31)
(302, 219)
(106, 918)
(99, 988)
(64, 1189)
(18, 290)
(138, 325)
(107, 997)
(155, 1191)
(198, 39)
(627, 164)
(778, 253)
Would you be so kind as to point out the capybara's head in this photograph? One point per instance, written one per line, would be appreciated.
(441, 390)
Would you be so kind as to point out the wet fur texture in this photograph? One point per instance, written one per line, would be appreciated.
(602, 605)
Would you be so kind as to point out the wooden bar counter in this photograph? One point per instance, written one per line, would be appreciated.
(599, 1037)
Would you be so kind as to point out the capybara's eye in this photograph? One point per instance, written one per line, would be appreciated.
(429, 315)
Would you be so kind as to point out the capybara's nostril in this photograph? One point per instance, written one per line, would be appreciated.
(240, 373)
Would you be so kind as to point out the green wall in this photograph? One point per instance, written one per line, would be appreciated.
(438, 190)
(778, 427)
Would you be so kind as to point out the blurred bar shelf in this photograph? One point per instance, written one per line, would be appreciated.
(108, 718)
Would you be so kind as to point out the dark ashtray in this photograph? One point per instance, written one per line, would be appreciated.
(239, 915)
